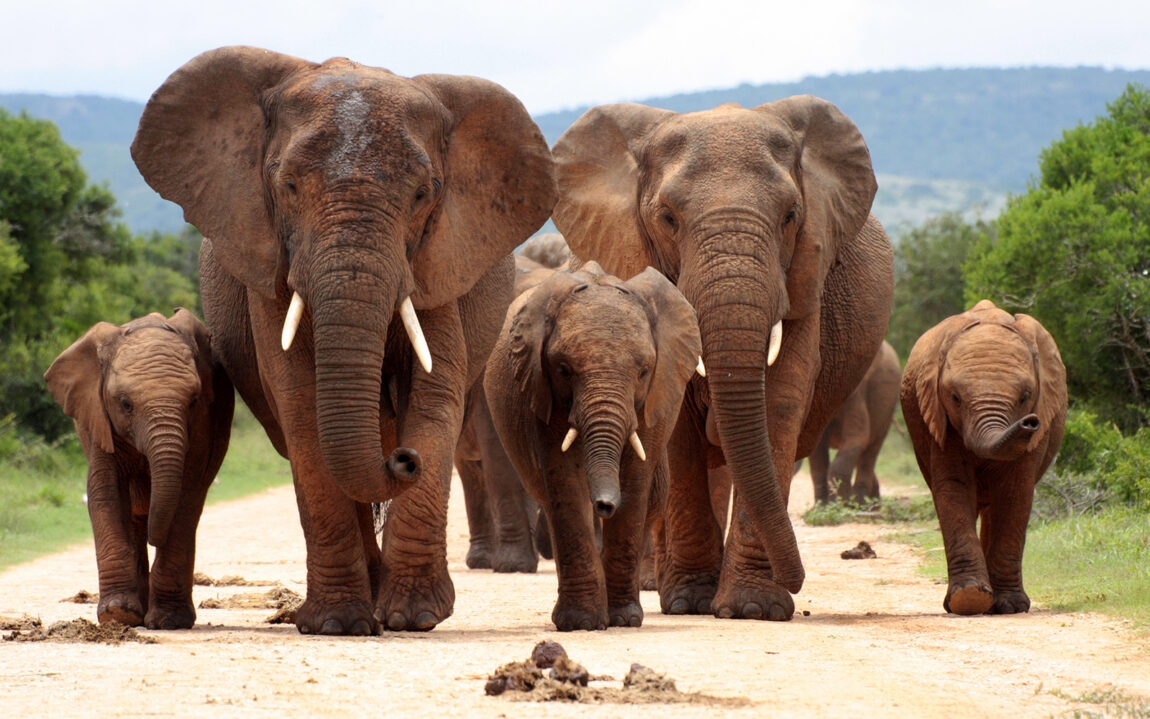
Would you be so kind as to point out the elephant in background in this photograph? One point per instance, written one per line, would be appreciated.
(984, 400)
(761, 218)
(153, 410)
(357, 274)
(857, 431)
(585, 384)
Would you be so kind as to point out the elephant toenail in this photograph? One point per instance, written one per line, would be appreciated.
(425, 621)
(679, 606)
(778, 614)
(396, 622)
(361, 629)
(636, 621)
(331, 627)
(753, 610)
(725, 613)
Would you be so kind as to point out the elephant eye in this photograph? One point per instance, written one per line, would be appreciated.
(954, 396)
(420, 193)
(791, 216)
(126, 405)
(1024, 397)
(668, 218)
(644, 372)
(565, 369)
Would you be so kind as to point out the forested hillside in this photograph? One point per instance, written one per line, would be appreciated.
(942, 140)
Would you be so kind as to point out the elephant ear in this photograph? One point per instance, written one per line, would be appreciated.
(677, 344)
(598, 172)
(188, 325)
(1051, 375)
(923, 372)
(532, 319)
(838, 186)
(75, 380)
(499, 187)
(200, 144)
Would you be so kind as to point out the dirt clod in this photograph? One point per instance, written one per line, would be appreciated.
(230, 580)
(83, 597)
(860, 551)
(545, 653)
(77, 630)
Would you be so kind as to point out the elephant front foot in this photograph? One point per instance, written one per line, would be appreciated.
(570, 615)
(687, 595)
(762, 600)
(415, 603)
(123, 607)
(969, 596)
(176, 614)
(351, 619)
(626, 615)
(1010, 602)
(479, 554)
(512, 557)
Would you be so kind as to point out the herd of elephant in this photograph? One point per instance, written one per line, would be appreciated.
(727, 293)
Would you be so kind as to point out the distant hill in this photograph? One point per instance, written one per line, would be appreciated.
(940, 139)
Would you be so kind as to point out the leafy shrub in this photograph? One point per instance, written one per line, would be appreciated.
(1096, 463)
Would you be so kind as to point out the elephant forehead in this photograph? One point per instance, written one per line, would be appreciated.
(990, 348)
(154, 351)
(728, 129)
(601, 321)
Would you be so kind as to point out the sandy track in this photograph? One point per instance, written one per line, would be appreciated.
(875, 643)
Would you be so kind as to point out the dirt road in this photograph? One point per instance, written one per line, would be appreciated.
(875, 643)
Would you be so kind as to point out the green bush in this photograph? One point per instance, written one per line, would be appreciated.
(1096, 455)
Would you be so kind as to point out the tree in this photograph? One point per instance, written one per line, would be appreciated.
(1074, 251)
(928, 286)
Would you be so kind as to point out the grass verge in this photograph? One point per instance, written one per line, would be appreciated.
(42, 487)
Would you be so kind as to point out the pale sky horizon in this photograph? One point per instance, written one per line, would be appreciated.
(555, 55)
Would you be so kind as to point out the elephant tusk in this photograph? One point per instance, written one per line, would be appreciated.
(775, 343)
(291, 321)
(638, 446)
(415, 334)
(701, 368)
(569, 439)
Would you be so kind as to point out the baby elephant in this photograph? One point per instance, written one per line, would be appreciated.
(584, 385)
(984, 399)
(154, 416)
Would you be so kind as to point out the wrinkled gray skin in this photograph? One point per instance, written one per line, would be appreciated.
(606, 358)
(361, 191)
(858, 431)
(154, 413)
(984, 400)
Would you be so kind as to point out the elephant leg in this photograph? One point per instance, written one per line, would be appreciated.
(820, 466)
(480, 528)
(582, 602)
(688, 572)
(543, 535)
(647, 561)
(853, 424)
(625, 537)
(508, 501)
(1004, 520)
(339, 589)
(416, 591)
(170, 603)
(123, 586)
(954, 492)
(866, 489)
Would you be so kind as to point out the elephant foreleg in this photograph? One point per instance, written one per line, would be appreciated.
(1009, 495)
(624, 539)
(122, 574)
(952, 487)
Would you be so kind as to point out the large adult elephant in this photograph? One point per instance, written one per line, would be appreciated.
(761, 217)
(350, 210)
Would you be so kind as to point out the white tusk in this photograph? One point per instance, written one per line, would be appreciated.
(701, 368)
(291, 321)
(638, 446)
(775, 343)
(569, 439)
(415, 334)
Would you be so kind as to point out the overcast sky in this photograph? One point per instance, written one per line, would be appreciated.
(557, 55)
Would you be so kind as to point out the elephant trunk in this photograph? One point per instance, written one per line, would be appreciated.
(994, 439)
(351, 310)
(737, 305)
(603, 424)
(165, 446)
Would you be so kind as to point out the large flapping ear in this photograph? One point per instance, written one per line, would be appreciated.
(1051, 375)
(190, 326)
(75, 380)
(677, 344)
(498, 189)
(924, 371)
(598, 172)
(838, 186)
(532, 319)
(200, 144)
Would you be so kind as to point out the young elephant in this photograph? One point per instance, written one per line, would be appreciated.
(154, 413)
(858, 431)
(584, 386)
(984, 399)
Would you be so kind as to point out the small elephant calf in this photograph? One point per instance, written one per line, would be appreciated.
(984, 399)
(154, 413)
(584, 386)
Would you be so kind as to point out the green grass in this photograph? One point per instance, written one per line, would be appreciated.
(42, 487)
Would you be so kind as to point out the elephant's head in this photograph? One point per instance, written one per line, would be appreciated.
(744, 209)
(146, 382)
(603, 360)
(361, 194)
(994, 378)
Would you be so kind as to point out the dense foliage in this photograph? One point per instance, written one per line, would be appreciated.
(66, 262)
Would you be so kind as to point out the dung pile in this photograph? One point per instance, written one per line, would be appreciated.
(862, 550)
(231, 580)
(281, 599)
(568, 680)
(29, 629)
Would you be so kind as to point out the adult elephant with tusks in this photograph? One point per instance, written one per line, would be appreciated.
(357, 274)
(761, 218)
